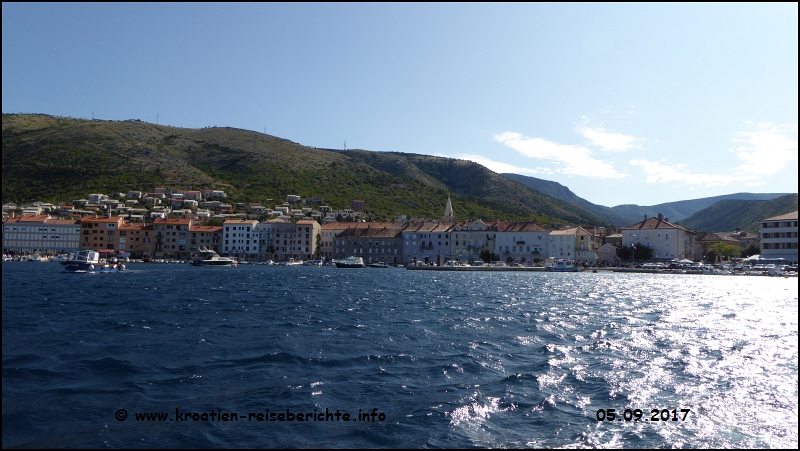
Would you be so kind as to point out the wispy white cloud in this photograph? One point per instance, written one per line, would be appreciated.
(503, 168)
(767, 150)
(610, 142)
(658, 172)
(573, 160)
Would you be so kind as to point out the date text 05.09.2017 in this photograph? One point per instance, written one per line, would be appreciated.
(637, 415)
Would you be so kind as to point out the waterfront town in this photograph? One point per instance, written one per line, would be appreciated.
(176, 225)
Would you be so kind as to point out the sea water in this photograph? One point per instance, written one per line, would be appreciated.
(179, 356)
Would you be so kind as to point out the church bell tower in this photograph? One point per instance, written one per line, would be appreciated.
(448, 213)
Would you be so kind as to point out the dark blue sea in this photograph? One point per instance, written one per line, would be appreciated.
(177, 356)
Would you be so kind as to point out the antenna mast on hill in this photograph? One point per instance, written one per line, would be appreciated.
(345, 144)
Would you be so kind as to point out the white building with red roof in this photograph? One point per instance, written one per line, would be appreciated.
(521, 242)
(669, 241)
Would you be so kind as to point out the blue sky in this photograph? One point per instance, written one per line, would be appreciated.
(621, 103)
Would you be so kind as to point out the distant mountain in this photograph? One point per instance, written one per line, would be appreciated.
(727, 215)
(682, 209)
(560, 191)
(629, 214)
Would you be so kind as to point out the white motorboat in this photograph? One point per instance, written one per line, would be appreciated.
(562, 265)
(209, 257)
(350, 262)
(379, 265)
(88, 260)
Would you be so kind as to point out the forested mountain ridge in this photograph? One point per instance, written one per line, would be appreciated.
(59, 159)
(727, 215)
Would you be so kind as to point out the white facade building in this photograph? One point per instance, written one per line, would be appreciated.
(96, 198)
(562, 244)
(668, 241)
(240, 238)
(468, 238)
(521, 242)
(779, 237)
(32, 234)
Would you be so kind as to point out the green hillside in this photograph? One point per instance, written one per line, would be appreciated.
(58, 159)
(727, 215)
(473, 181)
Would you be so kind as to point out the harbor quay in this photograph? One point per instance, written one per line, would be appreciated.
(541, 269)
(476, 268)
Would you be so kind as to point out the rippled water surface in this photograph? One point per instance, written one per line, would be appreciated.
(451, 359)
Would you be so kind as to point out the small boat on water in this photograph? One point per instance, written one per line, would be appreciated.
(312, 263)
(562, 265)
(379, 265)
(208, 257)
(60, 258)
(350, 262)
(292, 262)
(88, 260)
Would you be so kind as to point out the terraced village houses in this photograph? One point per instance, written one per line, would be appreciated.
(165, 224)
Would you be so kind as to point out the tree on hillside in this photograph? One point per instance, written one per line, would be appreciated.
(726, 251)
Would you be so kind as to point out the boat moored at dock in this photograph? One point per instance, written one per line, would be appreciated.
(350, 262)
(562, 265)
